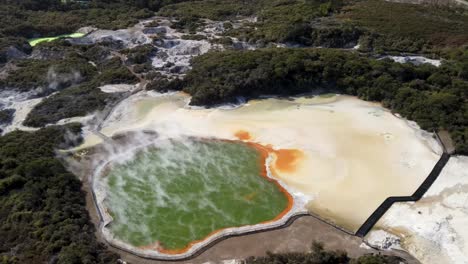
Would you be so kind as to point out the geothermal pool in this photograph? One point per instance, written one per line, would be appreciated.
(178, 192)
(337, 156)
(33, 42)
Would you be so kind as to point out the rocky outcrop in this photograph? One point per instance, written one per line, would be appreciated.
(10, 53)
(118, 39)
(434, 228)
(155, 30)
(47, 53)
(416, 60)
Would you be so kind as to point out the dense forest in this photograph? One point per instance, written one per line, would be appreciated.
(42, 208)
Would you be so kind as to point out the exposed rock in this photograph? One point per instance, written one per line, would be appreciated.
(434, 228)
(179, 69)
(6, 69)
(86, 30)
(12, 52)
(416, 60)
(110, 42)
(21, 103)
(46, 53)
(162, 55)
(166, 43)
(117, 88)
(155, 30)
(117, 39)
(180, 54)
(240, 45)
(215, 28)
(128, 37)
(384, 240)
(80, 41)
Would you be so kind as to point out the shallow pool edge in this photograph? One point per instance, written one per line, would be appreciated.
(296, 207)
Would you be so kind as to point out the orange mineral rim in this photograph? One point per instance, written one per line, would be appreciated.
(286, 159)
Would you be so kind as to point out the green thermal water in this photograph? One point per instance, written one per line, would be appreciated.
(35, 41)
(181, 192)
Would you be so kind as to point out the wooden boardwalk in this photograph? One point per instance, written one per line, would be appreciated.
(417, 195)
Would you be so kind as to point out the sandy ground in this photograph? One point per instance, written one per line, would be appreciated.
(339, 152)
(434, 228)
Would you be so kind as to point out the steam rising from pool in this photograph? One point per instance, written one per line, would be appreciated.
(330, 153)
(177, 192)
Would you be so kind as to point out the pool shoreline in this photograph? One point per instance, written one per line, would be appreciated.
(294, 208)
(366, 121)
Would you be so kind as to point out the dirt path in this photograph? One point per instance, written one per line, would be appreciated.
(296, 237)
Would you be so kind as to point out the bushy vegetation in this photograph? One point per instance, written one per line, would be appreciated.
(42, 208)
(408, 27)
(6, 116)
(18, 21)
(434, 97)
(47, 73)
(75, 79)
(319, 255)
(162, 84)
(289, 21)
(7, 42)
(140, 55)
(115, 76)
(25, 19)
(334, 36)
(75, 101)
(82, 99)
(212, 9)
(277, 21)
(381, 26)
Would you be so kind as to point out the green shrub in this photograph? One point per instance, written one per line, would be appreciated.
(75, 101)
(408, 27)
(44, 73)
(42, 207)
